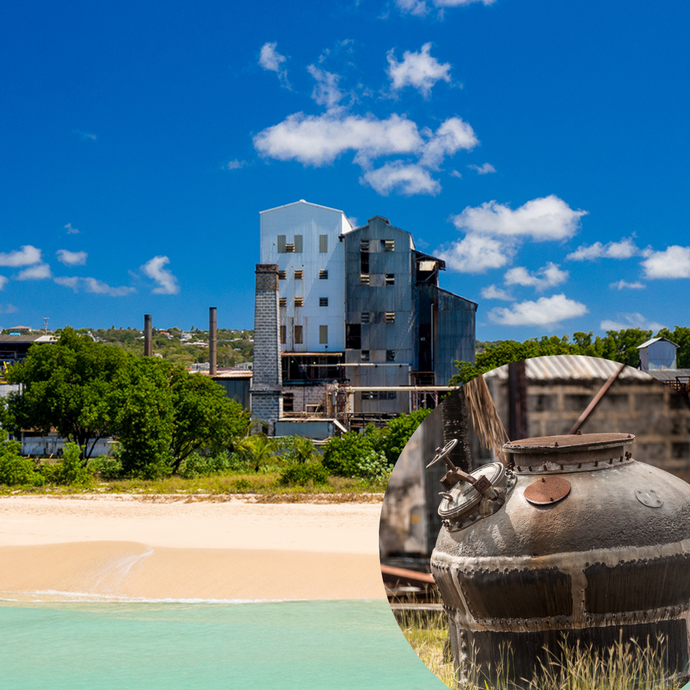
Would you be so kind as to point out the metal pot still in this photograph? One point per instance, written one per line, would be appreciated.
(577, 539)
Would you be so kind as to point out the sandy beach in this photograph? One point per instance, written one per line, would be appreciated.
(129, 547)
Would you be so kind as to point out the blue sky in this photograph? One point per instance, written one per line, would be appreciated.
(540, 147)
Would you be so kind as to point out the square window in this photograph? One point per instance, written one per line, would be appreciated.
(288, 402)
(323, 244)
(323, 335)
(289, 248)
(323, 274)
(390, 355)
(365, 355)
(390, 317)
(298, 335)
(299, 274)
(365, 317)
(364, 279)
(390, 279)
(299, 301)
(323, 301)
(282, 275)
(388, 245)
(364, 245)
(282, 301)
(283, 335)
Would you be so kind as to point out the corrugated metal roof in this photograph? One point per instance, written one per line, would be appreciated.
(669, 374)
(301, 201)
(570, 367)
(655, 340)
(233, 374)
(27, 338)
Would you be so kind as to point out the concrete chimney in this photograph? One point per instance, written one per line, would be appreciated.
(148, 335)
(212, 341)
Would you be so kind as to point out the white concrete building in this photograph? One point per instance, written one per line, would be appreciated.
(303, 240)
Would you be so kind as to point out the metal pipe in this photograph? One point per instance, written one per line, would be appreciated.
(595, 400)
(148, 335)
(212, 340)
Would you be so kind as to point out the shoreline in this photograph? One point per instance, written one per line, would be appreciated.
(125, 547)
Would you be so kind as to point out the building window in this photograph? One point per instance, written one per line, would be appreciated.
(323, 335)
(365, 317)
(323, 301)
(364, 245)
(298, 244)
(299, 274)
(323, 244)
(289, 248)
(299, 301)
(364, 262)
(281, 244)
(283, 335)
(288, 402)
(390, 317)
(364, 279)
(282, 275)
(282, 301)
(390, 279)
(323, 274)
(388, 245)
(298, 335)
(390, 355)
(353, 336)
(365, 355)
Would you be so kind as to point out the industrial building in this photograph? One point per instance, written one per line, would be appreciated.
(363, 329)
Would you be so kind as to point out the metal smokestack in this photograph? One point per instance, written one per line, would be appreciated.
(148, 335)
(212, 328)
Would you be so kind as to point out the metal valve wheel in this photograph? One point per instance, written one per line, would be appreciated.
(442, 453)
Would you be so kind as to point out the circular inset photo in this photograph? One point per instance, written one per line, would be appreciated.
(537, 526)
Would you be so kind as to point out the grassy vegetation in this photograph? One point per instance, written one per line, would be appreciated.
(624, 665)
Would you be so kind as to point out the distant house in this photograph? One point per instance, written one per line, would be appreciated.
(657, 353)
(14, 348)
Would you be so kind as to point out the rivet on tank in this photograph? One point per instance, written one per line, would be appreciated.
(576, 541)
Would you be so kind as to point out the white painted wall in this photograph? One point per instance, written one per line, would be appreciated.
(309, 221)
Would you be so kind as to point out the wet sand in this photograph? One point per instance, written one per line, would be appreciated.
(128, 547)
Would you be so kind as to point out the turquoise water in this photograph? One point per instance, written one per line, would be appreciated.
(286, 645)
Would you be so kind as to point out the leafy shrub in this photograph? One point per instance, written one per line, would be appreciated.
(303, 473)
(196, 465)
(70, 470)
(343, 456)
(14, 468)
(241, 485)
(106, 467)
(374, 466)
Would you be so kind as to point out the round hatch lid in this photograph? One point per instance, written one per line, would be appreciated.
(567, 443)
(463, 498)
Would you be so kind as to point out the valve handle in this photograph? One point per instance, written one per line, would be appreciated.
(442, 454)
(447, 496)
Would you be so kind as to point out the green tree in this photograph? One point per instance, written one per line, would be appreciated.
(680, 335)
(257, 449)
(15, 469)
(395, 435)
(67, 386)
(343, 456)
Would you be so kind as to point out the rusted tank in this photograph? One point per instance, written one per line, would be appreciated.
(575, 540)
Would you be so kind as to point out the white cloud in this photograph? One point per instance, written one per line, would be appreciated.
(612, 250)
(234, 165)
(71, 258)
(100, 288)
(167, 282)
(547, 218)
(3, 281)
(673, 262)
(326, 91)
(477, 253)
(546, 277)
(65, 281)
(353, 221)
(419, 7)
(37, 272)
(483, 169)
(454, 134)
(71, 230)
(271, 60)
(406, 179)
(623, 284)
(633, 320)
(492, 292)
(86, 136)
(458, 3)
(418, 70)
(8, 309)
(455, 173)
(319, 140)
(25, 256)
(542, 312)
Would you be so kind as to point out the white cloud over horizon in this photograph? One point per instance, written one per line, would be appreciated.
(406, 179)
(477, 253)
(25, 256)
(672, 262)
(420, 8)
(624, 249)
(630, 320)
(93, 285)
(167, 282)
(493, 292)
(8, 309)
(69, 258)
(36, 272)
(545, 311)
(546, 277)
(418, 70)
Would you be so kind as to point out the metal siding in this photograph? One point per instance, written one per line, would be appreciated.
(237, 389)
(455, 334)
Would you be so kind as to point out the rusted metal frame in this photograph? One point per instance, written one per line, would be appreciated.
(596, 399)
